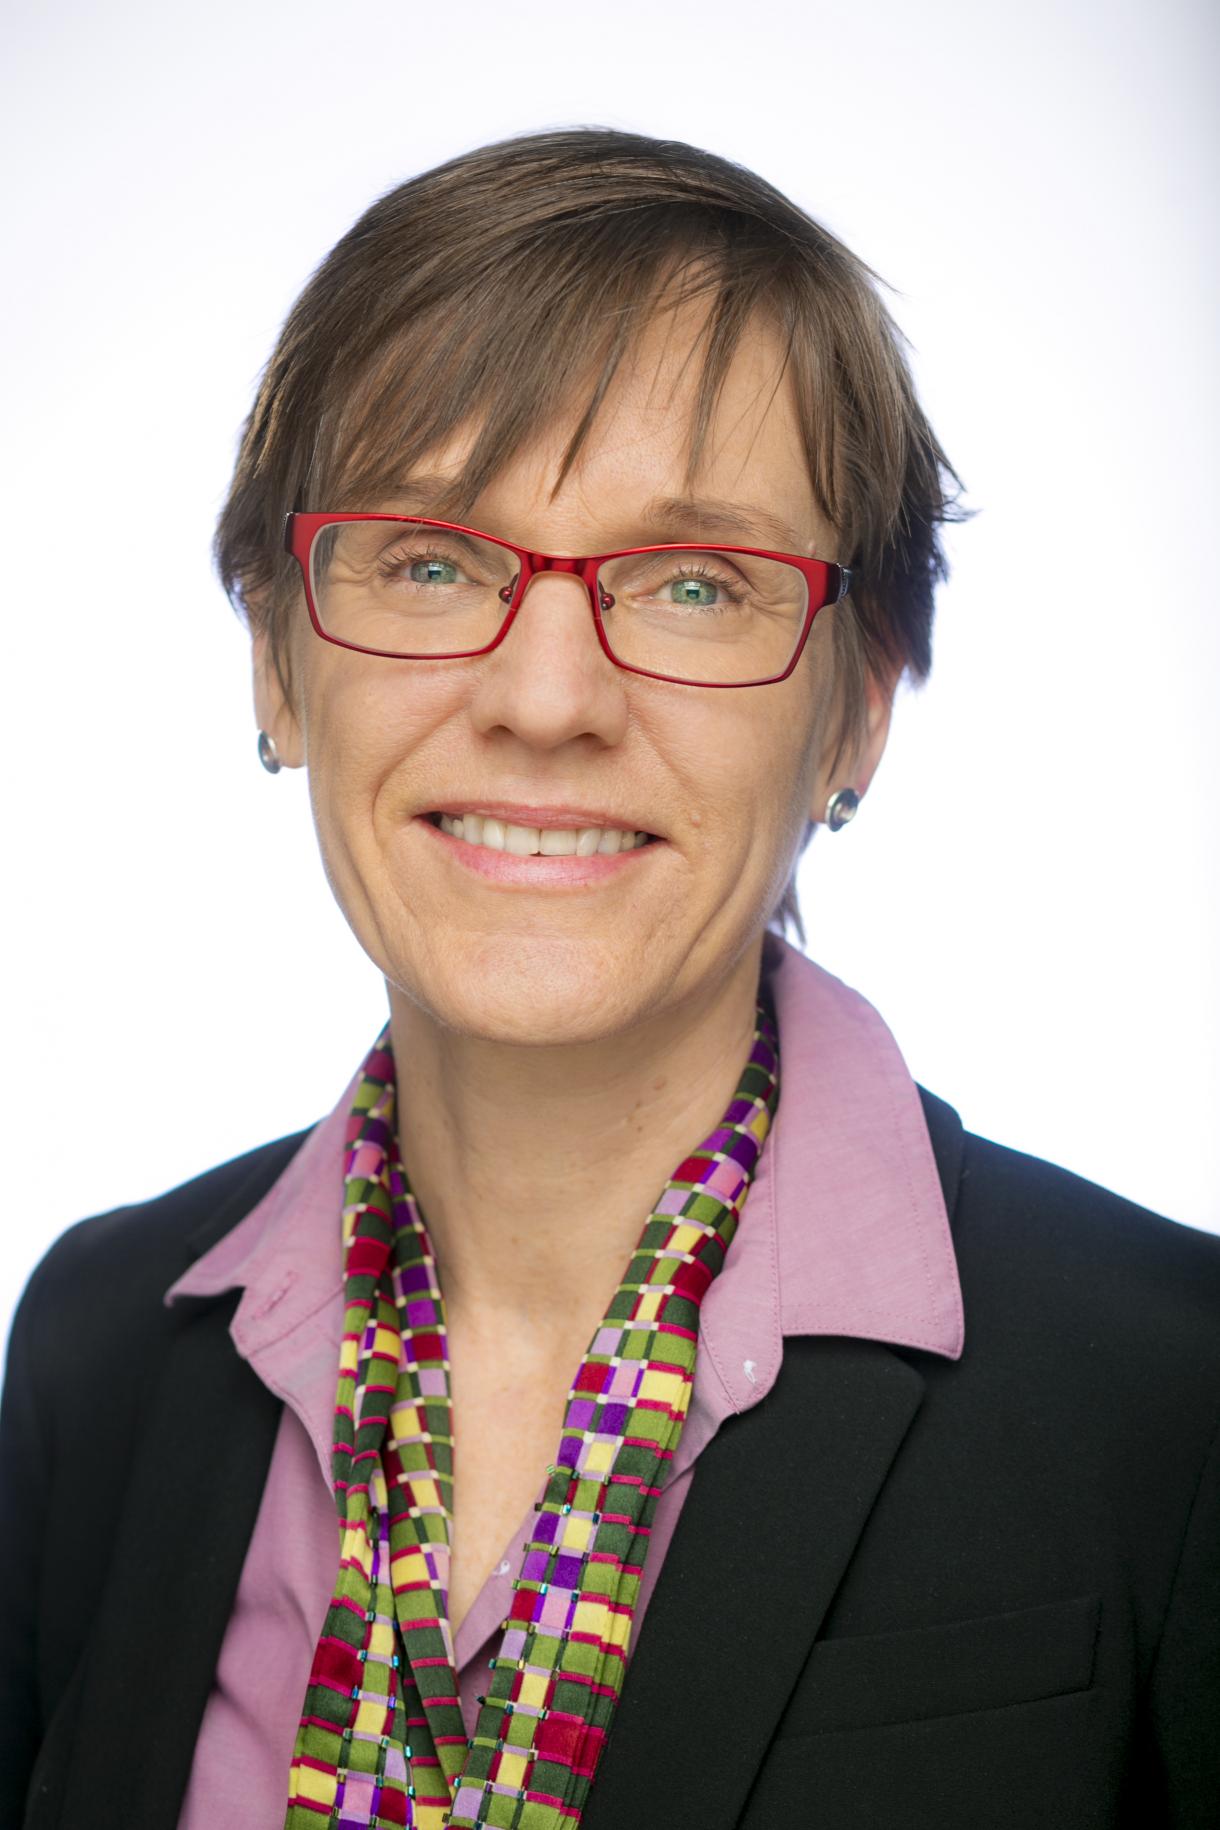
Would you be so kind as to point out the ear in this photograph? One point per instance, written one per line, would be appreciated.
(272, 706)
(859, 763)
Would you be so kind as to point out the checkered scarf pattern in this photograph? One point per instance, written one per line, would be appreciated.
(382, 1741)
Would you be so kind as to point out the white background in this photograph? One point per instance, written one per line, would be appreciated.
(1029, 894)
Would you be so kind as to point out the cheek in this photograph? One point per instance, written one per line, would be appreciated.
(791, 746)
(364, 730)
(748, 763)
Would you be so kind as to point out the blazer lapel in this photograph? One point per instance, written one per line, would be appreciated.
(187, 1520)
(778, 1500)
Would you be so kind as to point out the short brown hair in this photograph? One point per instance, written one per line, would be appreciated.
(492, 288)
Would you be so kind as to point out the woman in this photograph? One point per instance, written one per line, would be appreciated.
(700, 1456)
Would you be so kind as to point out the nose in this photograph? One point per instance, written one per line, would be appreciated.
(580, 571)
(549, 681)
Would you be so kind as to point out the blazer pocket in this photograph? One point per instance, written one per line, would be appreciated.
(985, 1663)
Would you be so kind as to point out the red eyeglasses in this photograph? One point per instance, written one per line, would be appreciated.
(412, 589)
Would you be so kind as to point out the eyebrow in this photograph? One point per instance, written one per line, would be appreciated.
(710, 514)
(666, 516)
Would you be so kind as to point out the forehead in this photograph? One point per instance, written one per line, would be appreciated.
(632, 475)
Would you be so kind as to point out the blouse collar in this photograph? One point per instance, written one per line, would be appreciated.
(844, 1231)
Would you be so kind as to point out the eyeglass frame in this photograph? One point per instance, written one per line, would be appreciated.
(826, 582)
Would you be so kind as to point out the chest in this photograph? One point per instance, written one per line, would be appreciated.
(506, 1430)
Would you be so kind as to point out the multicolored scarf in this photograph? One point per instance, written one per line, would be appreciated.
(382, 1741)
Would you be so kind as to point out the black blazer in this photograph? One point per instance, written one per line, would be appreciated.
(904, 1593)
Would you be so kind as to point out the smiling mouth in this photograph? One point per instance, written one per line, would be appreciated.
(534, 841)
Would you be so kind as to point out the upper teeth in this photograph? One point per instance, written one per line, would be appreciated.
(550, 841)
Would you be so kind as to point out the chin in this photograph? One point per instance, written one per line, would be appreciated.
(528, 990)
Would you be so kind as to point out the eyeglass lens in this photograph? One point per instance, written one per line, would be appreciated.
(418, 589)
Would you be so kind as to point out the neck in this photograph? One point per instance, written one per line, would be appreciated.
(535, 1168)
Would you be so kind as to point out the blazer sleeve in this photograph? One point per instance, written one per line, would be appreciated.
(25, 1450)
(1183, 1693)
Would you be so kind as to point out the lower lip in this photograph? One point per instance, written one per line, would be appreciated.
(536, 872)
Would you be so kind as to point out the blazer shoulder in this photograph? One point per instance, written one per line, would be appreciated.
(1046, 1252)
(1085, 1219)
(130, 1255)
(998, 1185)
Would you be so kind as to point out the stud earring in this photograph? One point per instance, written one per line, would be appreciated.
(268, 755)
(841, 807)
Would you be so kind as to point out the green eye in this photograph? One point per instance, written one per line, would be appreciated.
(433, 572)
(698, 591)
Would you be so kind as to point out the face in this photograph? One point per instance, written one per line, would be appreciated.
(547, 731)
